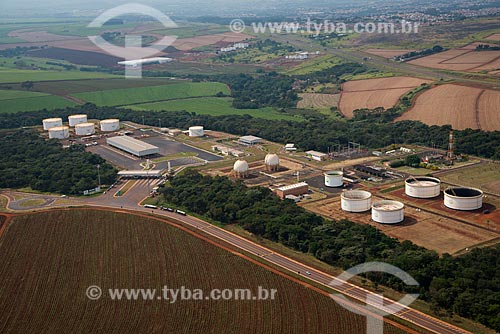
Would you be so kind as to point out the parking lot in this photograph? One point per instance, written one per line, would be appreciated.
(169, 147)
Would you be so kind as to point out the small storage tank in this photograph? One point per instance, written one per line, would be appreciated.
(356, 201)
(59, 132)
(422, 187)
(334, 179)
(49, 123)
(84, 129)
(109, 125)
(240, 169)
(461, 198)
(388, 212)
(77, 119)
(272, 162)
(196, 131)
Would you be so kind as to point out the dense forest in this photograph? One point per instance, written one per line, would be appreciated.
(30, 161)
(316, 133)
(468, 285)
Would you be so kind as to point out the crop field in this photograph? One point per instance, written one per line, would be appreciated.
(485, 176)
(36, 102)
(186, 44)
(314, 65)
(318, 101)
(494, 37)
(9, 75)
(216, 106)
(138, 95)
(77, 57)
(461, 106)
(387, 53)
(117, 250)
(373, 93)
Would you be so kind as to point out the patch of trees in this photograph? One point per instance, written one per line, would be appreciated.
(468, 285)
(30, 161)
(317, 132)
(487, 47)
(333, 74)
(423, 53)
(410, 161)
(17, 51)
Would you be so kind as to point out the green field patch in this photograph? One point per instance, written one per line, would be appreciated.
(18, 94)
(215, 106)
(9, 75)
(34, 103)
(118, 97)
(314, 65)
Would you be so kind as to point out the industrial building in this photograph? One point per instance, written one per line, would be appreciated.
(317, 156)
(196, 131)
(293, 189)
(228, 150)
(290, 147)
(133, 146)
(250, 140)
(153, 173)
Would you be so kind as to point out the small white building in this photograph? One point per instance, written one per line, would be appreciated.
(250, 140)
(317, 156)
(290, 148)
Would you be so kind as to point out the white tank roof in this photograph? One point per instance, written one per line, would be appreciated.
(111, 120)
(272, 160)
(240, 166)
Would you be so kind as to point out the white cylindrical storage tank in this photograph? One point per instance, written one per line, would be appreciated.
(59, 132)
(356, 201)
(77, 119)
(422, 187)
(334, 179)
(388, 212)
(109, 125)
(84, 129)
(462, 198)
(196, 131)
(49, 123)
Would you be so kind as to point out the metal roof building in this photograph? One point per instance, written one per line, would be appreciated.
(133, 146)
(250, 140)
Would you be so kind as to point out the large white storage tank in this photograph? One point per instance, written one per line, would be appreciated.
(334, 179)
(109, 125)
(462, 198)
(84, 129)
(59, 132)
(388, 212)
(49, 123)
(272, 162)
(240, 168)
(356, 201)
(77, 119)
(196, 131)
(422, 187)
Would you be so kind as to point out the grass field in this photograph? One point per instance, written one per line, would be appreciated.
(9, 75)
(128, 96)
(32, 103)
(314, 65)
(18, 94)
(485, 176)
(115, 250)
(215, 106)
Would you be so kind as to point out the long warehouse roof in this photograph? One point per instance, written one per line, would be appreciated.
(131, 143)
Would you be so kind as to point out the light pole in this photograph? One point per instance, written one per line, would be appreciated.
(159, 123)
(143, 120)
(99, 175)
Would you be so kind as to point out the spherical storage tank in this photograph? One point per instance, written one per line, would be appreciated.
(49, 123)
(272, 162)
(84, 129)
(240, 168)
(109, 125)
(59, 132)
(461, 198)
(334, 179)
(388, 212)
(77, 119)
(356, 201)
(422, 187)
(196, 131)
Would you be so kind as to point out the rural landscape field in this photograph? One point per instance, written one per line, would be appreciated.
(315, 150)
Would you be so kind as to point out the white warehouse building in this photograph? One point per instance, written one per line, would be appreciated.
(133, 146)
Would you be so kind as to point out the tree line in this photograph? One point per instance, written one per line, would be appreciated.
(468, 285)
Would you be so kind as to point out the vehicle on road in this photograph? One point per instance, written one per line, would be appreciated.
(149, 206)
(180, 212)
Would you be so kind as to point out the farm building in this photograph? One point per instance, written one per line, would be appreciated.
(318, 156)
(133, 146)
(293, 189)
(250, 140)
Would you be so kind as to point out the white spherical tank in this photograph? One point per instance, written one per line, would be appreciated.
(84, 129)
(465, 199)
(49, 123)
(388, 212)
(272, 162)
(334, 179)
(422, 187)
(77, 119)
(109, 125)
(59, 132)
(240, 166)
(196, 131)
(356, 201)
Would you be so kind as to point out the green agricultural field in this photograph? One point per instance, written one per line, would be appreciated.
(119, 97)
(9, 75)
(192, 29)
(18, 94)
(212, 106)
(33, 103)
(314, 65)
